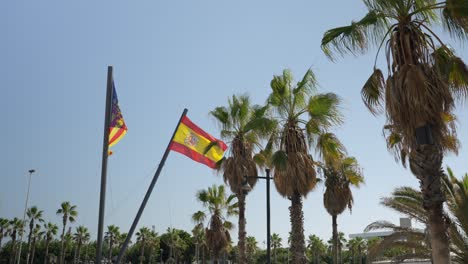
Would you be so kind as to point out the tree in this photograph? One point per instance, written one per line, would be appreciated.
(37, 235)
(142, 238)
(112, 233)
(317, 248)
(220, 207)
(418, 96)
(51, 231)
(16, 228)
(295, 174)
(339, 175)
(4, 224)
(80, 237)
(357, 246)
(34, 215)
(242, 125)
(251, 248)
(69, 213)
(275, 244)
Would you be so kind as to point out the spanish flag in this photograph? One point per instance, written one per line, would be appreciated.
(196, 144)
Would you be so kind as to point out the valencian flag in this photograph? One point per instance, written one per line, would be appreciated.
(196, 144)
(117, 127)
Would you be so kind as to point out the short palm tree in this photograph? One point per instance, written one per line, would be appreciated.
(317, 248)
(303, 115)
(142, 239)
(80, 237)
(175, 243)
(357, 246)
(424, 79)
(242, 125)
(199, 239)
(51, 231)
(37, 235)
(340, 175)
(112, 233)
(34, 216)
(251, 245)
(4, 224)
(220, 207)
(69, 214)
(16, 228)
(275, 244)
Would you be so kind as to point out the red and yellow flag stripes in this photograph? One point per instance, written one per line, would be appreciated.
(193, 142)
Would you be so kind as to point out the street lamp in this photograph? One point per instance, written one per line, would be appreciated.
(31, 171)
(247, 188)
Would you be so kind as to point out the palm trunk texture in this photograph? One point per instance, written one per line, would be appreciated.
(242, 233)
(297, 230)
(335, 240)
(62, 244)
(426, 163)
(46, 255)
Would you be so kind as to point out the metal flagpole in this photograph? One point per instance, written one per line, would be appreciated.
(148, 193)
(24, 217)
(105, 154)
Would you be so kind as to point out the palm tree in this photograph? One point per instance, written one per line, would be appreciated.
(356, 245)
(175, 243)
(339, 175)
(295, 174)
(242, 125)
(69, 213)
(142, 237)
(4, 224)
(153, 244)
(68, 238)
(275, 243)
(418, 95)
(251, 248)
(81, 237)
(317, 248)
(112, 233)
(37, 235)
(34, 215)
(15, 228)
(220, 207)
(51, 230)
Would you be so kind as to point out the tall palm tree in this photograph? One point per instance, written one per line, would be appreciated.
(317, 247)
(37, 235)
(340, 175)
(51, 231)
(418, 96)
(242, 125)
(4, 224)
(81, 236)
(112, 233)
(153, 244)
(142, 238)
(251, 248)
(68, 213)
(275, 244)
(34, 215)
(16, 228)
(220, 207)
(295, 174)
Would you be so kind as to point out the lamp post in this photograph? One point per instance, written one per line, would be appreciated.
(161, 250)
(246, 187)
(24, 214)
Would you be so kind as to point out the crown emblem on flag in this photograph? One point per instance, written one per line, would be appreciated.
(191, 140)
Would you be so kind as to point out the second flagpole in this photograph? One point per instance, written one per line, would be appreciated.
(148, 192)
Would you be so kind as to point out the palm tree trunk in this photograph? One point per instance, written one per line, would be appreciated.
(78, 251)
(142, 253)
(13, 251)
(110, 248)
(297, 230)
(46, 256)
(426, 163)
(335, 240)
(31, 225)
(242, 233)
(33, 251)
(62, 244)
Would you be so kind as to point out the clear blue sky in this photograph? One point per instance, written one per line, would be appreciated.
(168, 55)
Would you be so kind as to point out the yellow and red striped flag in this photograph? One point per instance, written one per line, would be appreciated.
(117, 127)
(196, 144)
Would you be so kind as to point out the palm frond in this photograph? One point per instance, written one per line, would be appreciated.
(324, 110)
(373, 92)
(355, 38)
(330, 148)
(304, 88)
(455, 18)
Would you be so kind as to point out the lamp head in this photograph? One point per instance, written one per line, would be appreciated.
(31, 171)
